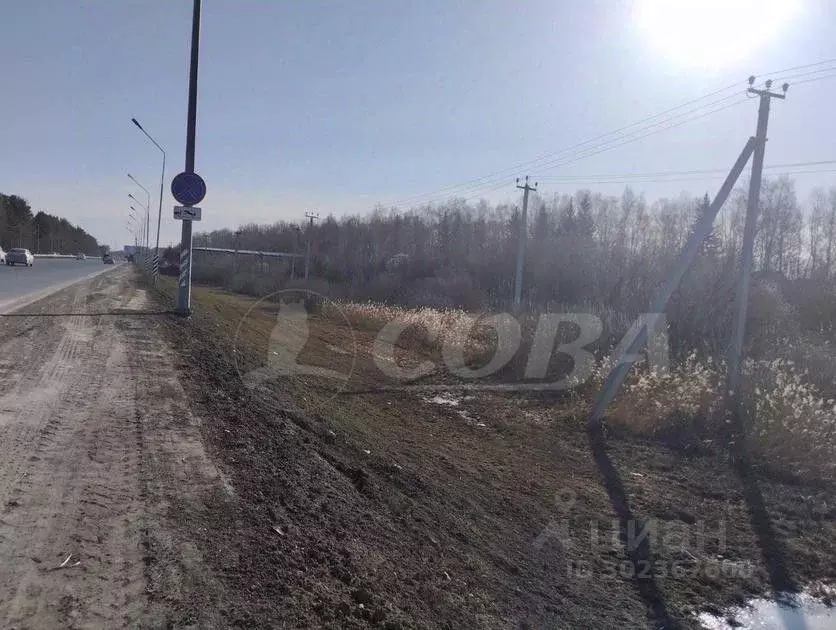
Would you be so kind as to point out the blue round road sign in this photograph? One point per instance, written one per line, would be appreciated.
(188, 188)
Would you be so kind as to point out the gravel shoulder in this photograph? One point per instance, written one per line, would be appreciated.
(96, 443)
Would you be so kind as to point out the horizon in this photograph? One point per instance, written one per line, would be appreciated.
(339, 107)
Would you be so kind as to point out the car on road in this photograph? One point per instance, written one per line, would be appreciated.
(80, 257)
(20, 256)
(107, 259)
(2, 256)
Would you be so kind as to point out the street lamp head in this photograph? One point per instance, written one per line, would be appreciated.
(136, 122)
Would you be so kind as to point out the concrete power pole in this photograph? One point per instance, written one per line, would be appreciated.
(521, 242)
(235, 254)
(748, 249)
(312, 216)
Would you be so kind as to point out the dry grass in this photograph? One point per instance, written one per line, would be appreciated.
(792, 424)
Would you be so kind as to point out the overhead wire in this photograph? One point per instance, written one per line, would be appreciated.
(581, 151)
(829, 76)
(595, 150)
(608, 145)
(717, 175)
(534, 161)
(628, 176)
(564, 163)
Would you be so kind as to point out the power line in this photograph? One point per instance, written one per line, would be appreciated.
(608, 146)
(802, 67)
(475, 191)
(551, 155)
(480, 182)
(677, 173)
(713, 175)
(624, 138)
(801, 75)
(829, 76)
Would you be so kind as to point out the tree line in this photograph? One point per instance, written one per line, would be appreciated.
(599, 253)
(40, 232)
(582, 247)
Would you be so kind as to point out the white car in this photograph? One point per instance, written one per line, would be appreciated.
(2, 256)
(20, 256)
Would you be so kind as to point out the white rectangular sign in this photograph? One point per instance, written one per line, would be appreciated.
(187, 213)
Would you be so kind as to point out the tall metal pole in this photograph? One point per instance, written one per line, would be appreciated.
(148, 225)
(147, 239)
(521, 242)
(735, 360)
(184, 296)
(159, 220)
(160, 210)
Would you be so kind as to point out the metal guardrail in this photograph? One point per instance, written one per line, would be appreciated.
(66, 256)
(247, 252)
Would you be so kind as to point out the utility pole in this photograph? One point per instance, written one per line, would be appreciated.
(312, 216)
(235, 255)
(521, 242)
(735, 361)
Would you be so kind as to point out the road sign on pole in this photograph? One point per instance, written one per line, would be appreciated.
(187, 213)
(188, 188)
(184, 292)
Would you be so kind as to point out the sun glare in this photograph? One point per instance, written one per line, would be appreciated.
(711, 33)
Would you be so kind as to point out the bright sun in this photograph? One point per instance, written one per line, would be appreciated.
(711, 33)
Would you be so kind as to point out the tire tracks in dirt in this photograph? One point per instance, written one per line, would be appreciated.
(90, 459)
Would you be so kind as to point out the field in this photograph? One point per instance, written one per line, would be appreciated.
(364, 503)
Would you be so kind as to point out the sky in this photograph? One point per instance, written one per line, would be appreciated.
(336, 106)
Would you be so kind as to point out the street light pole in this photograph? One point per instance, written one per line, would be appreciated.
(160, 210)
(142, 223)
(184, 296)
(138, 236)
(147, 217)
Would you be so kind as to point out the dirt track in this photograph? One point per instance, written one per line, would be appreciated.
(95, 442)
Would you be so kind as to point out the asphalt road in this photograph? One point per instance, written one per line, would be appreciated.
(17, 283)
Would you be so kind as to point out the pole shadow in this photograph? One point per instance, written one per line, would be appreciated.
(639, 554)
(770, 543)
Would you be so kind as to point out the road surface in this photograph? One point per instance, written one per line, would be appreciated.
(19, 283)
(96, 440)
